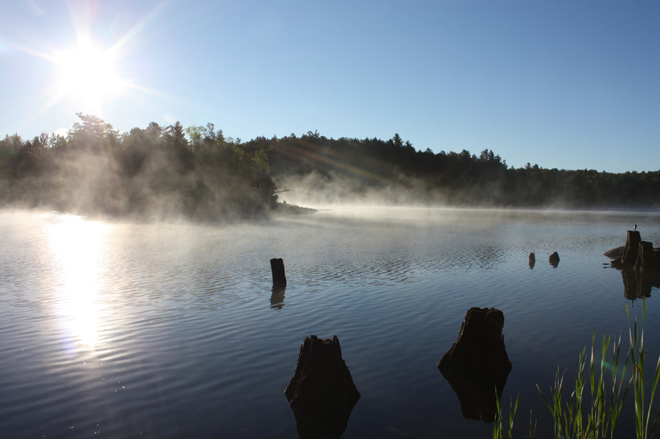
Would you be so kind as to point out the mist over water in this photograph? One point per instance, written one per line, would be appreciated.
(199, 174)
(174, 330)
(315, 189)
(151, 174)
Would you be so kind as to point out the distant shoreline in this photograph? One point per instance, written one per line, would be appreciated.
(293, 209)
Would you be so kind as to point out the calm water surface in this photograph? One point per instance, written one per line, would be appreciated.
(172, 331)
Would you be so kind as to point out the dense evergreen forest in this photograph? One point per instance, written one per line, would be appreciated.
(151, 173)
(397, 173)
(197, 172)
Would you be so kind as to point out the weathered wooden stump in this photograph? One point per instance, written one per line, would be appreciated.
(646, 262)
(532, 260)
(279, 278)
(631, 249)
(477, 364)
(321, 392)
(554, 259)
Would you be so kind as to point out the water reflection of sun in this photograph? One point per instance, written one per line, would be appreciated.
(77, 247)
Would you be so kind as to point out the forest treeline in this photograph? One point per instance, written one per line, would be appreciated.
(353, 167)
(197, 172)
(154, 173)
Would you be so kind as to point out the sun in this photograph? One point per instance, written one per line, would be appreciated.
(88, 74)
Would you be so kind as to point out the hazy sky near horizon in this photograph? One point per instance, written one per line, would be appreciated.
(563, 84)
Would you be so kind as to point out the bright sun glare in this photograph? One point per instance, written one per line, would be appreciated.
(88, 74)
(78, 248)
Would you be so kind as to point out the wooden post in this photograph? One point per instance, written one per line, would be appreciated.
(277, 267)
(646, 261)
(631, 249)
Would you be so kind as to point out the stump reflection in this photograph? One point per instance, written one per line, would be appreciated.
(277, 298)
(477, 365)
(321, 392)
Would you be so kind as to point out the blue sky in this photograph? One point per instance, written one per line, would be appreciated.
(564, 84)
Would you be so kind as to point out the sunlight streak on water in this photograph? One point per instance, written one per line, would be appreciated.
(77, 248)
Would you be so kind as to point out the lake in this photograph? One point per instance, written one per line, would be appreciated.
(128, 330)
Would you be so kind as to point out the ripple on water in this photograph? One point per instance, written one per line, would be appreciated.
(187, 341)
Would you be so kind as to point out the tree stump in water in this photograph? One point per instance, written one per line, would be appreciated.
(646, 262)
(554, 259)
(477, 364)
(279, 278)
(321, 392)
(631, 249)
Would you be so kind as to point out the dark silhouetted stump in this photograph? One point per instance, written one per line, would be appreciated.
(532, 260)
(554, 259)
(631, 249)
(321, 392)
(477, 365)
(646, 262)
(279, 278)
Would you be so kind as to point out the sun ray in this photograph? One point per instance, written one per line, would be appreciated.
(29, 51)
(88, 73)
(138, 27)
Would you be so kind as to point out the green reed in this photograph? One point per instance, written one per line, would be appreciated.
(498, 427)
(638, 355)
(589, 418)
(596, 417)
